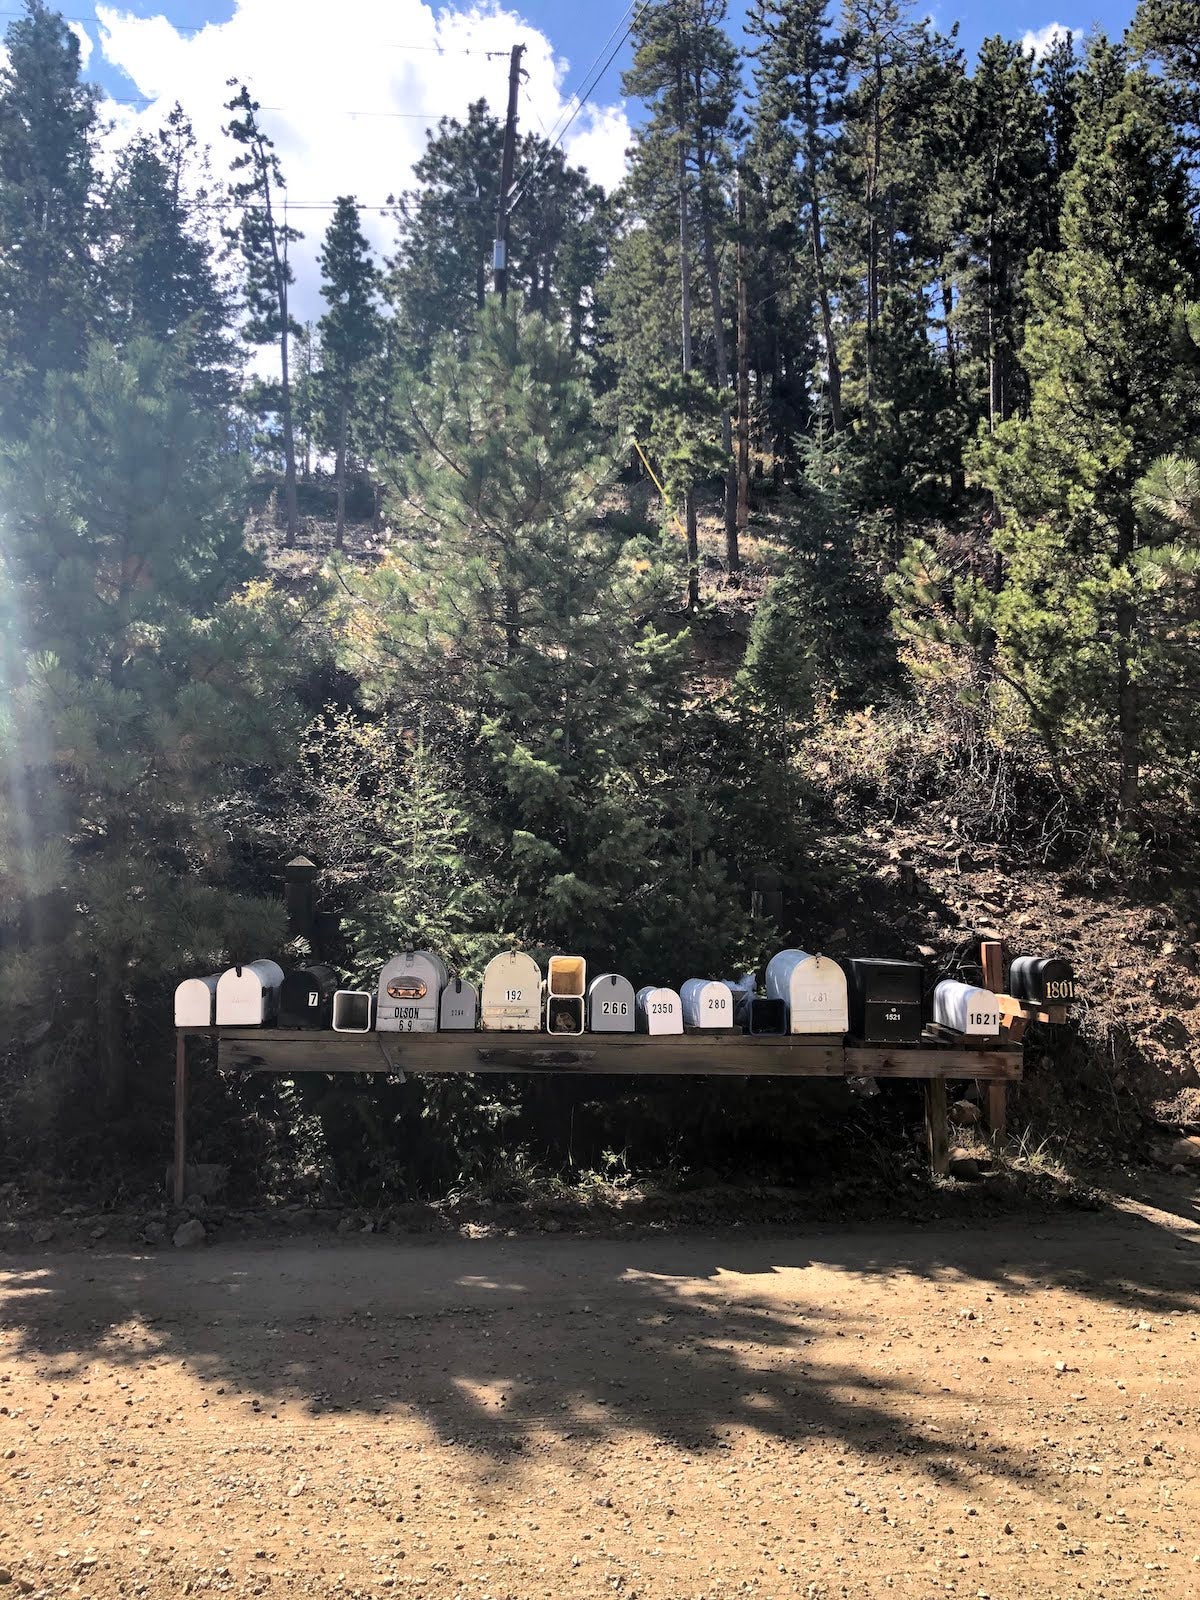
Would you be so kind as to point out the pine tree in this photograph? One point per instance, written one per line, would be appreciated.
(517, 617)
(262, 239)
(158, 276)
(143, 684)
(350, 330)
(48, 138)
(1166, 33)
(1111, 388)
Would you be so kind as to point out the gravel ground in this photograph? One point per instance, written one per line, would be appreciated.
(1006, 1410)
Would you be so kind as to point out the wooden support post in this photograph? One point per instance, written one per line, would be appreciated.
(991, 954)
(937, 1126)
(181, 1089)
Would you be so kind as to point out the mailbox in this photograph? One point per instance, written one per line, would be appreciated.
(756, 1013)
(886, 1001)
(612, 1006)
(512, 993)
(306, 997)
(196, 1002)
(813, 988)
(1042, 981)
(965, 1009)
(658, 1010)
(707, 1003)
(566, 992)
(249, 996)
(410, 987)
(353, 1011)
(459, 1006)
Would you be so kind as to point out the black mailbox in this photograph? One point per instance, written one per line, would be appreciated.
(756, 1013)
(1042, 981)
(306, 997)
(887, 1000)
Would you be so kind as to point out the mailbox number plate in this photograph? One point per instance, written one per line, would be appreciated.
(407, 1017)
(662, 1008)
(620, 1008)
(1061, 989)
(514, 994)
(716, 1003)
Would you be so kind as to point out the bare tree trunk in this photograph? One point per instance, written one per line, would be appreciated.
(685, 304)
(720, 350)
(833, 366)
(872, 197)
(343, 430)
(743, 379)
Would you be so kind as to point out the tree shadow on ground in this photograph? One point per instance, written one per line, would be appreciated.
(497, 1344)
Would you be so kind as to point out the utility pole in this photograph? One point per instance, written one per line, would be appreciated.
(743, 375)
(500, 247)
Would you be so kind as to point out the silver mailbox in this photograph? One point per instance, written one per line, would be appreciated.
(196, 1002)
(512, 994)
(707, 1003)
(410, 987)
(964, 1009)
(659, 1010)
(248, 996)
(612, 1005)
(459, 1006)
(813, 988)
(353, 1011)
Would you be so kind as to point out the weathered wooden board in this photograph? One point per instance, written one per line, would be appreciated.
(716, 1055)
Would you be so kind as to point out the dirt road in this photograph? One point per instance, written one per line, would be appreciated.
(1002, 1411)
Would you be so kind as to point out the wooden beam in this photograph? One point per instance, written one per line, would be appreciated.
(937, 1126)
(181, 1096)
(995, 1108)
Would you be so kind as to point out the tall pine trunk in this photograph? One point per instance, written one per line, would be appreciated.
(833, 365)
(343, 430)
(685, 307)
(720, 350)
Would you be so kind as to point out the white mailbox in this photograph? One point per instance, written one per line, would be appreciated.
(248, 996)
(410, 987)
(566, 992)
(512, 994)
(965, 1009)
(612, 1005)
(659, 1010)
(196, 1002)
(353, 1011)
(459, 1006)
(707, 1003)
(814, 990)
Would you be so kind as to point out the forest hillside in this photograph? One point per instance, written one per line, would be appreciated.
(799, 545)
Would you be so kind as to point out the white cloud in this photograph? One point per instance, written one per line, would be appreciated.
(319, 71)
(1039, 40)
(85, 42)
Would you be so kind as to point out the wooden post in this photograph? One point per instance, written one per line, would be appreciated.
(181, 1089)
(991, 955)
(937, 1126)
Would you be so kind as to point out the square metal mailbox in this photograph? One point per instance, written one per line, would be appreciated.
(756, 1013)
(511, 1000)
(196, 1002)
(566, 994)
(813, 988)
(410, 988)
(306, 997)
(353, 1011)
(966, 1009)
(887, 1000)
(248, 996)
(459, 1006)
(1042, 980)
(658, 1010)
(707, 1003)
(612, 1004)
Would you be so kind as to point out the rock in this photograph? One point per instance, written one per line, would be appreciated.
(964, 1114)
(1183, 1152)
(964, 1165)
(154, 1232)
(347, 1225)
(5, 1575)
(42, 1234)
(190, 1233)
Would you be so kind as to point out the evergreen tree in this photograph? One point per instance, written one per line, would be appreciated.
(141, 685)
(1166, 33)
(48, 137)
(350, 330)
(521, 615)
(158, 276)
(1113, 384)
(262, 239)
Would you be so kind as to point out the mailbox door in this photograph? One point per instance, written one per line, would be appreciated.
(966, 1009)
(459, 1006)
(512, 994)
(817, 997)
(306, 997)
(612, 1005)
(248, 996)
(196, 1002)
(659, 1011)
(409, 990)
(707, 1003)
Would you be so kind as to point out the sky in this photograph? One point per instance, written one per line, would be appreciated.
(349, 87)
